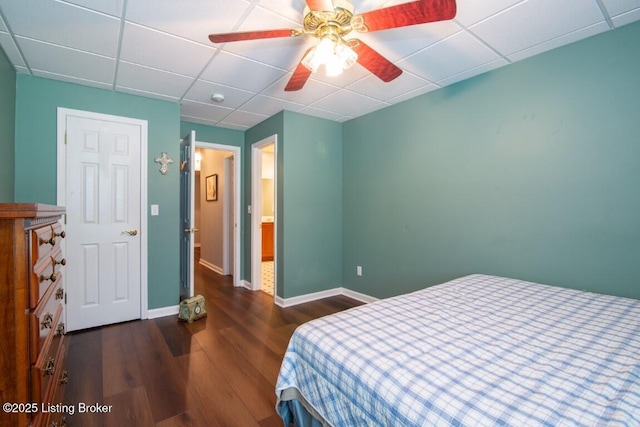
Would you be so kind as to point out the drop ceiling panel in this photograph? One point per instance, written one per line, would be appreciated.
(236, 71)
(536, 21)
(456, 54)
(201, 91)
(63, 24)
(160, 49)
(618, 7)
(152, 48)
(269, 106)
(194, 20)
(151, 80)
(110, 7)
(11, 50)
(67, 62)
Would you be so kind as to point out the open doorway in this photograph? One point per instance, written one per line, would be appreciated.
(216, 208)
(263, 218)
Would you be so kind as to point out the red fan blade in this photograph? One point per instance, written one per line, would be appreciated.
(253, 35)
(300, 76)
(322, 5)
(403, 15)
(374, 62)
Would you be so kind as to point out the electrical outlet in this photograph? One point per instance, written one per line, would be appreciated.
(359, 270)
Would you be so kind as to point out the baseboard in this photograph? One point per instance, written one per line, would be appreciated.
(301, 299)
(162, 312)
(210, 266)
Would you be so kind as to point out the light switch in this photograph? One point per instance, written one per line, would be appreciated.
(155, 210)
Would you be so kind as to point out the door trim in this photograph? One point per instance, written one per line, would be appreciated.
(61, 186)
(256, 217)
(237, 184)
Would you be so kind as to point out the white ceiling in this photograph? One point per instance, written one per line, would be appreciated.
(160, 49)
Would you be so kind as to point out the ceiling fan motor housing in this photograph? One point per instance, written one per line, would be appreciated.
(335, 24)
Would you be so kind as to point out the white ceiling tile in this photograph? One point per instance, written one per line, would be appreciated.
(291, 9)
(244, 118)
(317, 112)
(373, 87)
(70, 79)
(470, 12)
(344, 102)
(312, 91)
(111, 7)
(560, 41)
(160, 50)
(269, 106)
(152, 80)
(194, 20)
(536, 21)
(10, 49)
(473, 72)
(201, 91)
(456, 54)
(398, 43)
(205, 111)
(67, 62)
(283, 53)
(617, 7)
(64, 24)
(626, 18)
(233, 70)
(414, 93)
(266, 19)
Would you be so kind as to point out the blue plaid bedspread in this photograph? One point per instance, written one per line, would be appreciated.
(476, 351)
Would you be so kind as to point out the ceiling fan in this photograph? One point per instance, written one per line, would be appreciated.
(331, 21)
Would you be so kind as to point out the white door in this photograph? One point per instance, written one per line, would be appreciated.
(187, 209)
(104, 217)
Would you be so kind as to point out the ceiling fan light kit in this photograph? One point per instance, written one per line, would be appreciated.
(331, 21)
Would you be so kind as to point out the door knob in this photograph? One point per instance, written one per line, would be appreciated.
(130, 232)
(190, 230)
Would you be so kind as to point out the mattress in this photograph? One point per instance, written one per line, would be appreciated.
(476, 351)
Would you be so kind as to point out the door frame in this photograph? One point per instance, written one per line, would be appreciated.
(61, 178)
(237, 184)
(256, 216)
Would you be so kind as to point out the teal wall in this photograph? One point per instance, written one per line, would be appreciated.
(530, 171)
(35, 163)
(7, 127)
(309, 201)
(266, 129)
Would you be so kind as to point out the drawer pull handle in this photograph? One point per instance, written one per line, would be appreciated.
(47, 321)
(64, 378)
(61, 262)
(51, 241)
(60, 293)
(52, 277)
(50, 367)
(60, 329)
(61, 234)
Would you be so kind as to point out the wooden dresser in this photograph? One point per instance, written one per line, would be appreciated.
(32, 296)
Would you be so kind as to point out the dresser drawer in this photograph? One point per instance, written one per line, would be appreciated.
(48, 367)
(44, 322)
(43, 240)
(46, 271)
(50, 413)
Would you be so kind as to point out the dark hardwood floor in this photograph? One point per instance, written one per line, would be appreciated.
(216, 371)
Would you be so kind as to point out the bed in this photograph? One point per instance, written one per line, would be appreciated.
(476, 351)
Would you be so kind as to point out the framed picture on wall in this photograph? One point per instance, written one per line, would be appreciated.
(211, 183)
